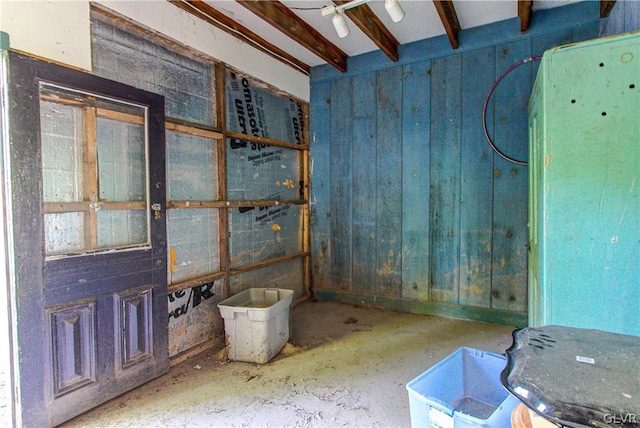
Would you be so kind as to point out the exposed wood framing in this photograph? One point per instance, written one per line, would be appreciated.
(91, 206)
(605, 7)
(120, 116)
(267, 263)
(192, 130)
(306, 214)
(449, 18)
(233, 204)
(266, 141)
(195, 282)
(283, 19)
(224, 232)
(90, 176)
(371, 25)
(524, 12)
(212, 16)
(193, 351)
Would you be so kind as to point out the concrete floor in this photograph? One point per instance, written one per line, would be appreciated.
(343, 366)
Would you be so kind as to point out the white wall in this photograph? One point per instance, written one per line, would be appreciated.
(60, 30)
(57, 30)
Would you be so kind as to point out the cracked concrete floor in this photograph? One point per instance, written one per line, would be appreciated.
(343, 366)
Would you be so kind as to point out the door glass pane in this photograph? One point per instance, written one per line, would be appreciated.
(62, 154)
(121, 160)
(121, 228)
(94, 171)
(63, 232)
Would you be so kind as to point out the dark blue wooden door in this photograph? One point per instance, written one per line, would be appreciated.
(87, 196)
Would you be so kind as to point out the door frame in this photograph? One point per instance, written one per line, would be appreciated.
(24, 208)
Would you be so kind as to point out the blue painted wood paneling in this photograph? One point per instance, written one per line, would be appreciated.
(341, 168)
(364, 183)
(416, 176)
(444, 212)
(476, 184)
(509, 263)
(624, 18)
(389, 183)
(423, 215)
(320, 158)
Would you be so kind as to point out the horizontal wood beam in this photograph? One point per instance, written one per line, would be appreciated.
(371, 25)
(234, 204)
(87, 206)
(449, 18)
(210, 15)
(267, 141)
(283, 19)
(195, 282)
(267, 263)
(193, 130)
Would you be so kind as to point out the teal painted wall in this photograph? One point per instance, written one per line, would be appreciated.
(411, 209)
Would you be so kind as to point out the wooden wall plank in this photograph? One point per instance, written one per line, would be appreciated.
(631, 17)
(509, 285)
(364, 183)
(389, 182)
(320, 127)
(541, 44)
(462, 219)
(341, 184)
(423, 307)
(416, 158)
(445, 178)
(476, 185)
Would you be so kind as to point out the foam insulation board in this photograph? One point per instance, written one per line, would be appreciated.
(263, 233)
(253, 110)
(186, 83)
(192, 163)
(193, 316)
(257, 171)
(193, 242)
(288, 275)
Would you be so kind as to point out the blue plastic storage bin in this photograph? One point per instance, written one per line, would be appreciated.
(462, 390)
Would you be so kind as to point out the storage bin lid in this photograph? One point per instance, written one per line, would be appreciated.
(576, 377)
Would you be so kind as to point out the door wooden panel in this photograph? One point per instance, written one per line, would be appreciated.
(88, 203)
(73, 341)
(133, 330)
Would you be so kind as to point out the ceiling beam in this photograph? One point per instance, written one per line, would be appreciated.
(449, 19)
(524, 12)
(371, 25)
(210, 15)
(605, 7)
(283, 19)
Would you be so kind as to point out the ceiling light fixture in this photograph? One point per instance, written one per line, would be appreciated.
(340, 23)
(394, 10)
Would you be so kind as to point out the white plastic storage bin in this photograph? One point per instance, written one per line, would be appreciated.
(462, 390)
(256, 323)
